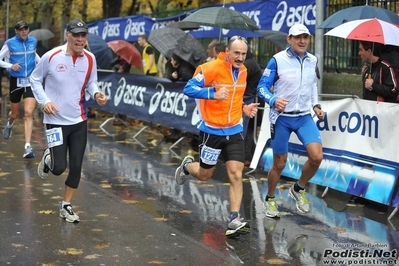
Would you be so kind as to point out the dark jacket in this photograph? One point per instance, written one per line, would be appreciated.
(185, 71)
(385, 87)
(254, 74)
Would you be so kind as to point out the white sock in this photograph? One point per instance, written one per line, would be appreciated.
(65, 203)
(27, 145)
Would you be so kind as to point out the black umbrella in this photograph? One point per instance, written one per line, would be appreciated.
(278, 38)
(183, 25)
(191, 50)
(165, 39)
(222, 17)
(100, 49)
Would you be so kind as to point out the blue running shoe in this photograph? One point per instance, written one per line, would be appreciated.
(29, 153)
(7, 130)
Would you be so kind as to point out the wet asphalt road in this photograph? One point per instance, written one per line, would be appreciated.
(133, 213)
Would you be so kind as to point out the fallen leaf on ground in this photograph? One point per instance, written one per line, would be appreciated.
(130, 201)
(71, 251)
(4, 173)
(276, 262)
(46, 212)
(156, 262)
(102, 246)
(161, 219)
(103, 215)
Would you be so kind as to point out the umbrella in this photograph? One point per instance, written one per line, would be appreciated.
(359, 12)
(222, 17)
(41, 34)
(127, 51)
(191, 50)
(100, 49)
(183, 25)
(278, 38)
(372, 30)
(165, 39)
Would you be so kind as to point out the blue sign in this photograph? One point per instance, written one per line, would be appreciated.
(148, 98)
(268, 15)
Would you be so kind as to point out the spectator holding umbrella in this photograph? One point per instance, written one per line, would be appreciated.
(178, 69)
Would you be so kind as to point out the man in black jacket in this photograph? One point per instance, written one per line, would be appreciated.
(254, 74)
(379, 79)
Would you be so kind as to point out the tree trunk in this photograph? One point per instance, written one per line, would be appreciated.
(84, 10)
(112, 8)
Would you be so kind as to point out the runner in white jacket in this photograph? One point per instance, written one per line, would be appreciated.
(67, 72)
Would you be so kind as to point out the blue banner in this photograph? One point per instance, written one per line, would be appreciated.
(148, 98)
(268, 15)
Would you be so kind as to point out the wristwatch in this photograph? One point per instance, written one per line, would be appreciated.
(317, 105)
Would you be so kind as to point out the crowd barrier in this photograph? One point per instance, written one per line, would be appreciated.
(359, 146)
(359, 150)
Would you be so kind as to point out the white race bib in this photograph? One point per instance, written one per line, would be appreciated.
(23, 82)
(54, 137)
(210, 155)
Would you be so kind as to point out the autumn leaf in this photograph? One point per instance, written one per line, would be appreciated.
(186, 211)
(284, 186)
(106, 186)
(160, 219)
(340, 230)
(120, 177)
(154, 142)
(9, 188)
(130, 201)
(103, 215)
(4, 173)
(123, 185)
(314, 227)
(92, 153)
(91, 257)
(46, 212)
(96, 230)
(156, 262)
(71, 251)
(276, 262)
(102, 246)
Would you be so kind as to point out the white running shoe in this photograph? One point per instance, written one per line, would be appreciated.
(180, 176)
(67, 213)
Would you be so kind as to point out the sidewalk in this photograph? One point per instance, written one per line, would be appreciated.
(111, 231)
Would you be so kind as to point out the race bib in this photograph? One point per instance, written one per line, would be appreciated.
(23, 82)
(143, 62)
(273, 115)
(54, 137)
(210, 155)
